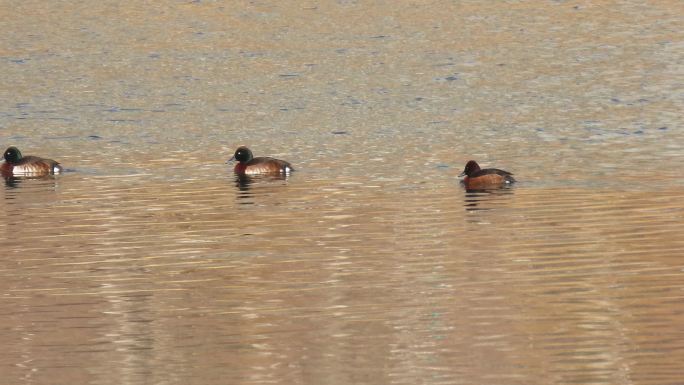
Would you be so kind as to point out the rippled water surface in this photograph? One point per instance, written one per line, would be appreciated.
(148, 262)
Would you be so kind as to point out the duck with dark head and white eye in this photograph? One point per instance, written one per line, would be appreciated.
(263, 165)
(484, 179)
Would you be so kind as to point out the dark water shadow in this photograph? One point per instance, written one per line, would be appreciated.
(21, 192)
(482, 200)
(251, 186)
(16, 182)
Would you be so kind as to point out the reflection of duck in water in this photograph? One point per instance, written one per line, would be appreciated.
(249, 165)
(243, 182)
(486, 199)
(18, 165)
(246, 182)
(35, 182)
(485, 179)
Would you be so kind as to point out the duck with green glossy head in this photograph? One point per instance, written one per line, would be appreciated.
(18, 165)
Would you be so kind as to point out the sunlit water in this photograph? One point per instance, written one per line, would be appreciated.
(149, 262)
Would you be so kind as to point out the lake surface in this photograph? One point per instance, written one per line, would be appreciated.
(148, 262)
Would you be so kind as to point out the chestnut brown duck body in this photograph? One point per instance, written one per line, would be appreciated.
(483, 179)
(18, 165)
(263, 165)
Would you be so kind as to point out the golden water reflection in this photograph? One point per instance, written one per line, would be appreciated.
(320, 278)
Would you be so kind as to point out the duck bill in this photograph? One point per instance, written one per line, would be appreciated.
(232, 158)
(462, 174)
